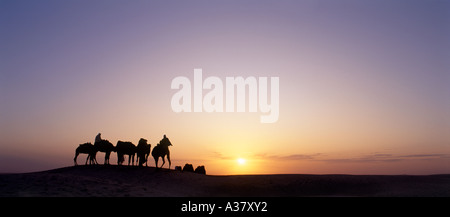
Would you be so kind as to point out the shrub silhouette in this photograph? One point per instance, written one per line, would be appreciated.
(143, 151)
(86, 148)
(188, 168)
(162, 150)
(125, 148)
(200, 170)
(104, 146)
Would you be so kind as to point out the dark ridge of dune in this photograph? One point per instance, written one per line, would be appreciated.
(113, 181)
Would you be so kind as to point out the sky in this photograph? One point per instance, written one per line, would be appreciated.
(364, 86)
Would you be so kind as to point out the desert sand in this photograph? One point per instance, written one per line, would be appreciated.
(119, 181)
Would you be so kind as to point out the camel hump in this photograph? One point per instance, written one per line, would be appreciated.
(102, 142)
(125, 145)
(87, 144)
(200, 170)
(104, 146)
(156, 150)
(188, 168)
(142, 144)
(122, 142)
(142, 141)
(85, 147)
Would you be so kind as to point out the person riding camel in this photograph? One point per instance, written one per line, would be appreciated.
(98, 138)
(165, 141)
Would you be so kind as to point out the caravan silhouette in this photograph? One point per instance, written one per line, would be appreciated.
(142, 151)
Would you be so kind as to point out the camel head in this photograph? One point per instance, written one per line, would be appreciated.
(167, 142)
(142, 141)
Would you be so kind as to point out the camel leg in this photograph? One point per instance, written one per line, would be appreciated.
(156, 162)
(75, 158)
(90, 159)
(87, 158)
(168, 158)
(119, 159)
(94, 158)
(107, 158)
(163, 162)
(140, 159)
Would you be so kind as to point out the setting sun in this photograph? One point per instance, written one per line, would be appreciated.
(241, 161)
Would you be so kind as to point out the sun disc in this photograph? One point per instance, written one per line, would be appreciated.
(241, 161)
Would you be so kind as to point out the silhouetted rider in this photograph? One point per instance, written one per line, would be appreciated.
(98, 138)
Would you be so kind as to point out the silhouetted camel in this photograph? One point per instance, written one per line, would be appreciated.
(86, 148)
(104, 146)
(143, 151)
(200, 170)
(127, 148)
(161, 150)
(188, 168)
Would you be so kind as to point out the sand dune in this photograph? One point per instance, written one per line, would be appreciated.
(121, 181)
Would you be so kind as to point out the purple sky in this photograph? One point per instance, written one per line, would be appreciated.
(357, 79)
